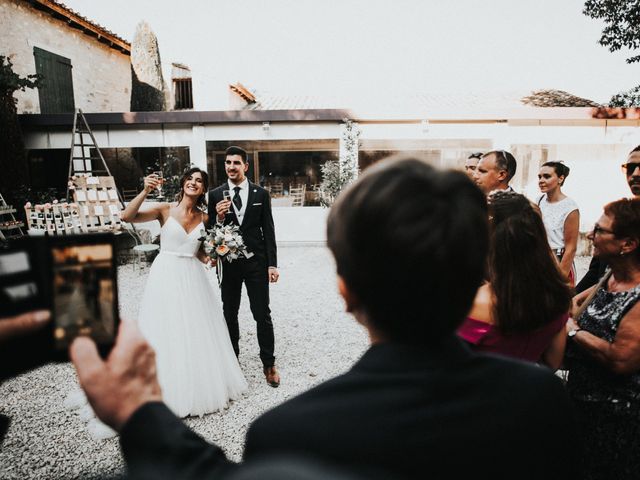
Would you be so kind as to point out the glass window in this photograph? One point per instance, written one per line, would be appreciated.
(293, 168)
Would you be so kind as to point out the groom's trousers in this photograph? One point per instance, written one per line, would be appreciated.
(253, 272)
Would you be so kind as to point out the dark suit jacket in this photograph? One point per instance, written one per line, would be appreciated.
(258, 231)
(596, 270)
(401, 409)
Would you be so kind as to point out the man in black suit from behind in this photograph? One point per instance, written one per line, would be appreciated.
(410, 244)
(249, 207)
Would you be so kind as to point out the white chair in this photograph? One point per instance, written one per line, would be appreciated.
(141, 252)
(297, 194)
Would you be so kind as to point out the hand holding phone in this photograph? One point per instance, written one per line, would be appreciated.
(72, 276)
(121, 384)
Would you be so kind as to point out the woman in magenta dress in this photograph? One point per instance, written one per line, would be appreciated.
(522, 309)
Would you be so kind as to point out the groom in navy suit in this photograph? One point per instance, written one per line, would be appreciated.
(250, 208)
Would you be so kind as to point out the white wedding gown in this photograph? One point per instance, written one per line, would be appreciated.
(181, 317)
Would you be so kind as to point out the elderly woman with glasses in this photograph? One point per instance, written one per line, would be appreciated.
(603, 351)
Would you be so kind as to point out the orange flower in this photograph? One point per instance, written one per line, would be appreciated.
(222, 250)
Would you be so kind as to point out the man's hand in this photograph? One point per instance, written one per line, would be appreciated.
(126, 381)
(23, 324)
(222, 208)
(273, 274)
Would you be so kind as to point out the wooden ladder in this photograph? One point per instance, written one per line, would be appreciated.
(80, 160)
(82, 163)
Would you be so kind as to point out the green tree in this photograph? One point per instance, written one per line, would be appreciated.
(337, 174)
(13, 161)
(621, 30)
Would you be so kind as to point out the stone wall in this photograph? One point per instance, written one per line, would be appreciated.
(101, 75)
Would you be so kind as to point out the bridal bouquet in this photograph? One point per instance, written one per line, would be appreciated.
(224, 242)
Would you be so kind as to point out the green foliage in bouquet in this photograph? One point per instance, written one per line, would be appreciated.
(224, 242)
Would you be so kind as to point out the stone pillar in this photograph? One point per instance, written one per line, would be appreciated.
(198, 148)
(148, 90)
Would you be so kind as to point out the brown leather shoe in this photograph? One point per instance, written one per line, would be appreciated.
(272, 376)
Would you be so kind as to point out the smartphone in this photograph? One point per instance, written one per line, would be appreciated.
(73, 276)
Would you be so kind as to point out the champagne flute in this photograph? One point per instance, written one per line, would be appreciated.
(226, 195)
(159, 175)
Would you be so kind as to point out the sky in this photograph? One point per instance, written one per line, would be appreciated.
(324, 47)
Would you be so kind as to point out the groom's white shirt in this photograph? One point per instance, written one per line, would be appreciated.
(244, 196)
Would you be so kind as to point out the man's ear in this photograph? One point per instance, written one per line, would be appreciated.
(246, 166)
(349, 297)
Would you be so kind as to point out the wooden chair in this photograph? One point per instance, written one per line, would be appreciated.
(129, 194)
(297, 194)
(277, 189)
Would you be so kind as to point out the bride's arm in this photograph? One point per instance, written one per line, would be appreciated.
(131, 213)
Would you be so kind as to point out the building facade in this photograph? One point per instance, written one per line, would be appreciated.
(83, 65)
(288, 147)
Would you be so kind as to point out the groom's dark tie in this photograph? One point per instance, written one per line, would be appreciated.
(237, 201)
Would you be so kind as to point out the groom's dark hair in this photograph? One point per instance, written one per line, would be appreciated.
(410, 242)
(233, 150)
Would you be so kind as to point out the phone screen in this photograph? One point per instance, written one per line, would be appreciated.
(84, 293)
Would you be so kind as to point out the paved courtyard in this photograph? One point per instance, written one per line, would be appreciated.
(315, 340)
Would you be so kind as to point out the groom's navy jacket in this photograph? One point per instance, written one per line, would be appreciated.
(257, 227)
(438, 412)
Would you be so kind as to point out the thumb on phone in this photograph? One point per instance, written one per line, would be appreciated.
(87, 361)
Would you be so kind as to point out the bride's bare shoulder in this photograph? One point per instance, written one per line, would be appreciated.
(164, 211)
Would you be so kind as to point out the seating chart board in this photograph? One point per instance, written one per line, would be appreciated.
(96, 208)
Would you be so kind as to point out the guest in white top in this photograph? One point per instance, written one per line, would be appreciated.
(560, 215)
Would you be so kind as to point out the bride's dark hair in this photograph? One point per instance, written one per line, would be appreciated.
(201, 203)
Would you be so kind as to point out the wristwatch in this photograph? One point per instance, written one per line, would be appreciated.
(572, 333)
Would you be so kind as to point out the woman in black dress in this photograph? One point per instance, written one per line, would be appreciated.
(603, 351)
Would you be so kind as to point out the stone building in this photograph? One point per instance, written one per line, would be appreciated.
(289, 137)
(84, 65)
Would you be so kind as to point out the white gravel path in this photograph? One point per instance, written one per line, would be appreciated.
(315, 340)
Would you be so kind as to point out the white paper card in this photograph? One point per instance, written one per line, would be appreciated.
(93, 181)
(92, 195)
(98, 210)
(81, 195)
(113, 195)
(102, 196)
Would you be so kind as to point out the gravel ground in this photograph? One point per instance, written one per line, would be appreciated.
(315, 340)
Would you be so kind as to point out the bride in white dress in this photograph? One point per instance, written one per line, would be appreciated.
(180, 313)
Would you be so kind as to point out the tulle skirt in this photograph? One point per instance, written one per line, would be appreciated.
(181, 317)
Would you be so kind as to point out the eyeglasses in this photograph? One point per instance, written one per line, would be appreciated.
(477, 155)
(630, 167)
(598, 229)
